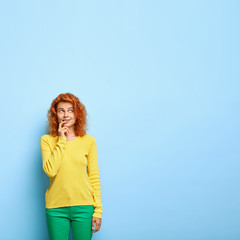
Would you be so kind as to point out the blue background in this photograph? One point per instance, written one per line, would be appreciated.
(160, 81)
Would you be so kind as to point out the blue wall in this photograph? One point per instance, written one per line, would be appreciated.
(160, 81)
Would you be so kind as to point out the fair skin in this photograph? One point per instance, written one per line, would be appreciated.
(66, 120)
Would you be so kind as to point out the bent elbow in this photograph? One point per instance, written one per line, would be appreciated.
(51, 174)
(49, 171)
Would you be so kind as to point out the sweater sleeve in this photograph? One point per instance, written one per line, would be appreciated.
(93, 173)
(51, 160)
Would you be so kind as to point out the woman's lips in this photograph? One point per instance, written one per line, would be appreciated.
(67, 121)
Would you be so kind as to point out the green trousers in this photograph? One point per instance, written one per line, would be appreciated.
(79, 218)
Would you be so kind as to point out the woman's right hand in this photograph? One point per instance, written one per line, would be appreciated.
(62, 130)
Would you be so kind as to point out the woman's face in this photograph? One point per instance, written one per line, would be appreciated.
(65, 112)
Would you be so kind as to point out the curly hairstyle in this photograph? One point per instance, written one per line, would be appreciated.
(80, 112)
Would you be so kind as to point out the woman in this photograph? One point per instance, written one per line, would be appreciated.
(69, 158)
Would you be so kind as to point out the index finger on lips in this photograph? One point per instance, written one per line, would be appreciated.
(62, 121)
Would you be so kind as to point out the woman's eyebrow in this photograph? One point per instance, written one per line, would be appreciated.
(63, 108)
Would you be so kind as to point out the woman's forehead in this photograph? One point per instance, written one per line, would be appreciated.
(65, 105)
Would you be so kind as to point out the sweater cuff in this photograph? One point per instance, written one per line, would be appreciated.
(62, 139)
(98, 215)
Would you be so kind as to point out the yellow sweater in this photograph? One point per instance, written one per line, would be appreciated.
(73, 170)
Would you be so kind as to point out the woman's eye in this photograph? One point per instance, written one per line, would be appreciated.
(69, 110)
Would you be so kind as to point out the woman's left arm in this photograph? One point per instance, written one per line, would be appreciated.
(93, 173)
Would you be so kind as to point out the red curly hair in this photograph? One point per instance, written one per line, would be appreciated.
(80, 112)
